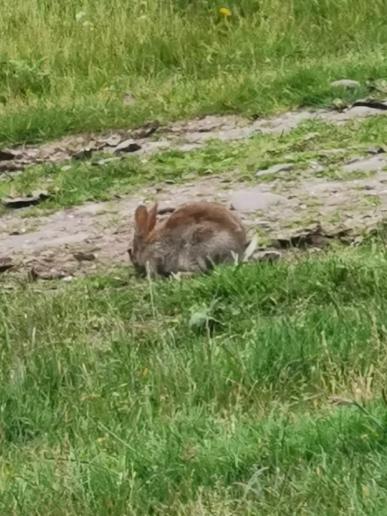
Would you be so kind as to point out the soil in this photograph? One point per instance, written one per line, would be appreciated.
(96, 235)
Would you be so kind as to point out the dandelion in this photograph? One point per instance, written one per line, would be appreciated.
(225, 12)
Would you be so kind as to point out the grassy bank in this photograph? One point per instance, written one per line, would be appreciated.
(204, 396)
(176, 59)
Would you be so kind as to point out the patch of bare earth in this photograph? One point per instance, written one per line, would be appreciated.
(182, 136)
(82, 239)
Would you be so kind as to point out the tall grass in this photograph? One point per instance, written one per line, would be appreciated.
(112, 401)
(66, 66)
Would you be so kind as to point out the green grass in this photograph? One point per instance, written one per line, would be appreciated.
(114, 402)
(210, 395)
(177, 59)
(76, 182)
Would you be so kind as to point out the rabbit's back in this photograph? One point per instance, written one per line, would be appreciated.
(199, 235)
(204, 217)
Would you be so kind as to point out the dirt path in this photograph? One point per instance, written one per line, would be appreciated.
(183, 136)
(81, 239)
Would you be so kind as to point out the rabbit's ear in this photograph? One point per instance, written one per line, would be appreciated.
(152, 216)
(141, 220)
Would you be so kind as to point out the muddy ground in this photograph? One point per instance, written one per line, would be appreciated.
(82, 239)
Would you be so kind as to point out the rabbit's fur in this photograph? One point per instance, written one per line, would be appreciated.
(195, 237)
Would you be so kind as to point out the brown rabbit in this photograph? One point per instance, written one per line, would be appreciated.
(195, 237)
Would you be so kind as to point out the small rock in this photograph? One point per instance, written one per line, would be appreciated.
(376, 150)
(370, 164)
(23, 202)
(253, 199)
(281, 167)
(53, 274)
(146, 130)
(83, 154)
(6, 155)
(16, 232)
(127, 146)
(347, 84)
(112, 141)
(81, 256)
(5, 264)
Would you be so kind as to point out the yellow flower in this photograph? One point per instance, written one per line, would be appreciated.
(225, 11)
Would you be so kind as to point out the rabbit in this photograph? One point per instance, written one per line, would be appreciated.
(195, 237)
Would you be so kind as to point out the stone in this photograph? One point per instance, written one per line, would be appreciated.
(83, 154)
(252, 199)
(53, 274)
(275, 169)
(127, 146)
(111, 141)
(23, 202)
(146, 130)
(346, 84)
(371, 164)
(376, 150)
